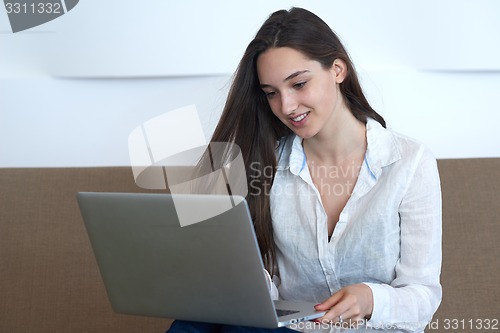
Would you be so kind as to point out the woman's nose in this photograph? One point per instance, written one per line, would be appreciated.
(288, 103)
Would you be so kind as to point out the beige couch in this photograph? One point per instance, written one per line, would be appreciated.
(49, 281)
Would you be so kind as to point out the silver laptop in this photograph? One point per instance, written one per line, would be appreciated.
(210, 271)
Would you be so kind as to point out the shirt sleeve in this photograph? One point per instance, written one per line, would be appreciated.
(272, 286)
(412, 298)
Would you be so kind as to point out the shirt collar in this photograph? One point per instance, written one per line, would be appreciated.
(381, 151)
(290, 154)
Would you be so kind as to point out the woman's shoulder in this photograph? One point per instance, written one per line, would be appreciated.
(410, 147)
(390, 145)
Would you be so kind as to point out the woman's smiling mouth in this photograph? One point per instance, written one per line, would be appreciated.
(297, 120)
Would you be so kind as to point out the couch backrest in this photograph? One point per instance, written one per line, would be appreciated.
(471, 244)
(49, 280)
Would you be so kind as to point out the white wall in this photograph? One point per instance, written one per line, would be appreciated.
(72, 90)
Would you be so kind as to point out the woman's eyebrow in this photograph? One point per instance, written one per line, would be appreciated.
(289, 77)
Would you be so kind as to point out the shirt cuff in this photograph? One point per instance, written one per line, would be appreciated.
(381, 305)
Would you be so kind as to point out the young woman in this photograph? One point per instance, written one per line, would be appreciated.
(350, 214)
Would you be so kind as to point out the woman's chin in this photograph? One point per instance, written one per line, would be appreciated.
(303, 133)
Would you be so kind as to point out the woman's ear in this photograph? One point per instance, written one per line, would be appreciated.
(339, 69)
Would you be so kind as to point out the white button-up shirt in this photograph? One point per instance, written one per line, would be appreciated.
(388, 235)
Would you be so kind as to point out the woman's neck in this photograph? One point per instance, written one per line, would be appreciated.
(344, 140)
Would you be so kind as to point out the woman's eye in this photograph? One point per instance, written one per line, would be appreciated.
(270, 94)
(300, 85)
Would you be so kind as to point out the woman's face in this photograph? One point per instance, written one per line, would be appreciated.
(300, 92)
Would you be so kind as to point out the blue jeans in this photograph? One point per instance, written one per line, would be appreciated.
(180, 326)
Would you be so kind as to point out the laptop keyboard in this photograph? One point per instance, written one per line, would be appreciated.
(281, 312)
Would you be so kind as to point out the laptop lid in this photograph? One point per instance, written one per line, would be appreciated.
(210, 271)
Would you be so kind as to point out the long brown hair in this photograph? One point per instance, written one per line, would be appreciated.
(248, 121)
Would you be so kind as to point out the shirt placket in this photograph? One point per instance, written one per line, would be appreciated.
(326, 253)
(326, 256)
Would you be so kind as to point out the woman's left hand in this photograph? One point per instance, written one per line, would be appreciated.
(350, 305)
